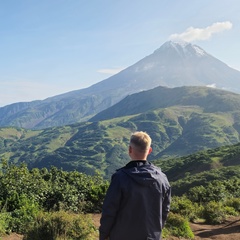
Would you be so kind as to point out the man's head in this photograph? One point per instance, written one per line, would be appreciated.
(140, 146)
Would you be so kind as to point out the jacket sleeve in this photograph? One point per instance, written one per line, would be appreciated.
(110, 207)
(166, 204)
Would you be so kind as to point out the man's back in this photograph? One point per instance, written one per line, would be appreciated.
(136, 204)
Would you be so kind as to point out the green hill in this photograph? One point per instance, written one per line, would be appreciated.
(102, 146)
(205, 167)
(181, 121)
(209, 99)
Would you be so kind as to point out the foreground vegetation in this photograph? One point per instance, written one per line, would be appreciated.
(206, 185)
(56, 204)
(50, 202)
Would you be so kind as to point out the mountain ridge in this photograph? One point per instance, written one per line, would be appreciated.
(172, 65)
(210, 98)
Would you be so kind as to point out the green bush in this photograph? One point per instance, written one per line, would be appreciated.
(234, 203)
(53, 189)
(5, 218)
(185, 207)
(215, 212)
(177, 226)
(61, 225)
(230, 211)
(23, 215)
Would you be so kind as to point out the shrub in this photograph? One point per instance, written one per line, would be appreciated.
(230, 211)
(61, 225)
(214, 212)
(234, 203)
(24, 215)
(4, 223)
(177, 226)
(184, 207)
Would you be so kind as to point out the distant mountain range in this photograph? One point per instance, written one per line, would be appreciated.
(209, 99)
(181, 121)
(172, 65)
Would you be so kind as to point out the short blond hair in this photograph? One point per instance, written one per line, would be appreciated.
(141, 141)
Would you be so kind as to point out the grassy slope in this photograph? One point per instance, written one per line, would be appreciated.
(102, 146)
(221, 163)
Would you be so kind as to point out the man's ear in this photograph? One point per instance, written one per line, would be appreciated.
(130, 149)
(150, 150)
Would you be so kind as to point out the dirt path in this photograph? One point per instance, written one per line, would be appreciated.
(12, 236)
(230, 230)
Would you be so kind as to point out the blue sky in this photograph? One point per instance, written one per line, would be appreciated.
(50, 47)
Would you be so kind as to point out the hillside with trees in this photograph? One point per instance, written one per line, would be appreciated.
(177, 130)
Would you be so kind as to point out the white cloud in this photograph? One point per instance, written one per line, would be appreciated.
(212, 85)
(111, 71)
(193, 34)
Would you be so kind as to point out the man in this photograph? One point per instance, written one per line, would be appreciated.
(138, 198)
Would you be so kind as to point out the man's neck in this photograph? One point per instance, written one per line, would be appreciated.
(138, 159)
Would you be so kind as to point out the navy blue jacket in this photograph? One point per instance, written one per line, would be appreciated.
(136, 204)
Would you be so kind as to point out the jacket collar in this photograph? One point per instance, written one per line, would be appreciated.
(136, 163)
